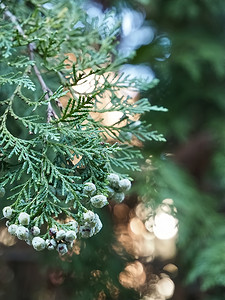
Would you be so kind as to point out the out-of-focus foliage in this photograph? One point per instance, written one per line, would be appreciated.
(187, 55)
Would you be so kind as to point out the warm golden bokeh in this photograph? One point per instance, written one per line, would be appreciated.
(6, 238)
(147, 235)
(92, 82)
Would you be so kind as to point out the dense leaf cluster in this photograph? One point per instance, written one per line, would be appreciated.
(60, 81)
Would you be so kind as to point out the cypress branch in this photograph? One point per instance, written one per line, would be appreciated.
(57, 147)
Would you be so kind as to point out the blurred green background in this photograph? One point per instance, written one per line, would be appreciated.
(182, 44)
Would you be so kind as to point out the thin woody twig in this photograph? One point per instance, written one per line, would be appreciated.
(13, 18)
(31, 46)
(50, 111)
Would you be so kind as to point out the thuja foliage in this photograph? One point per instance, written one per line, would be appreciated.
(60, 159)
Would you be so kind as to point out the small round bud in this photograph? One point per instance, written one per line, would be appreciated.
(35, 230)
(38, 243)
(60, 235)
(53, 242)
(24, 218)
(98, 224)
(99, 201)
(52, 231)
(74, 225)
(124, 185)
(50, 247)
(62, 249)
(70, 236)
(47, 242)
(119, 197)
(86, 231)
(22, 233)
(50, 244)
(7, 212)
(2, 192)
(113, 180)
(12, 229)
(89, 217)
(7, 223)
(29, 239)
(89, 188)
